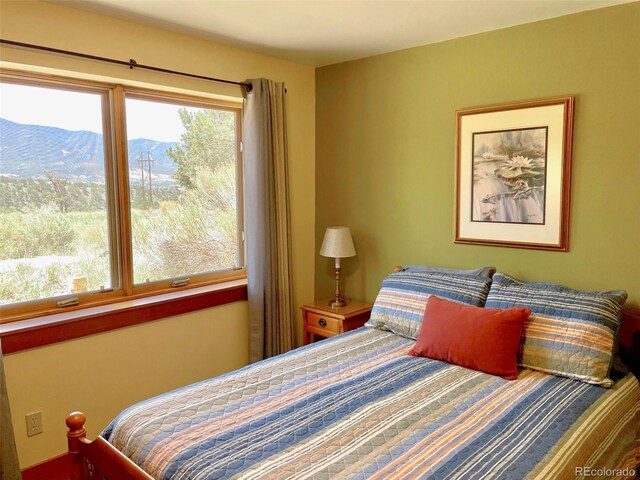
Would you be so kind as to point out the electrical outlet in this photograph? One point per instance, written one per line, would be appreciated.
(34, 423)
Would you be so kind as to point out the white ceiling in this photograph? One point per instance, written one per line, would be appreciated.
(322, 32)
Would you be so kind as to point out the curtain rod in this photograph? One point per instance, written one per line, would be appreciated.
(131, 63)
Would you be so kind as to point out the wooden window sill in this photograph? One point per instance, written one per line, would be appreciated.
(46, 330)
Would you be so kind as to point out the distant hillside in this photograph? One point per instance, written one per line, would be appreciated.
(30, 150)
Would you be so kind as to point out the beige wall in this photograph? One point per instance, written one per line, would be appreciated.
(101, 374)
(385, 149)
(134, 363)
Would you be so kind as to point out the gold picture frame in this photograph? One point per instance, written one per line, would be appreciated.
(513, 174)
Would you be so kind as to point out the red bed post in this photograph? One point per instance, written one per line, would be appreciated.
(75, 422)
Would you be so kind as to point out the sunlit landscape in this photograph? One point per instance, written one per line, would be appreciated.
(56, 216)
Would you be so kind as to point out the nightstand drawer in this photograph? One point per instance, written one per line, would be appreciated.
(323, 323)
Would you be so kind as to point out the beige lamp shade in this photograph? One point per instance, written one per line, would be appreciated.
(338, 243)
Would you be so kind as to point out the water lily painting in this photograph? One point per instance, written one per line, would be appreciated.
(513, 178)
(509, 173)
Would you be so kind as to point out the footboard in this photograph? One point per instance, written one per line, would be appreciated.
(97, 459)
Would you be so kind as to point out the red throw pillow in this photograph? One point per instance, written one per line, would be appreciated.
(484, 339)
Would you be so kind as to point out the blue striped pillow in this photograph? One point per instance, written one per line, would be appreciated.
(400, 304)
(570, 332)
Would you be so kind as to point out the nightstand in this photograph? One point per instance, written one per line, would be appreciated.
(319, 319)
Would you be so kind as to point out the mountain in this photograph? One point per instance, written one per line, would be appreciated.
(27, 151)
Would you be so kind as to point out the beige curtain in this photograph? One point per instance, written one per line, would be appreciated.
(9, 469)
(268, 236)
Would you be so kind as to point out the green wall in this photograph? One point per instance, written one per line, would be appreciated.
(385, 150)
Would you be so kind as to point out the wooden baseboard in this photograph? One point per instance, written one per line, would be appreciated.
(56, 468)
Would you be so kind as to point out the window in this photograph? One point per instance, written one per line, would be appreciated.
(182, 189)
(108, 192)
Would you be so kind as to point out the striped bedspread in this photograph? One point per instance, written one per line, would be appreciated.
(356, 406)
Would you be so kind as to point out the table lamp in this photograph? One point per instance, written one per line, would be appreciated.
(338, 244)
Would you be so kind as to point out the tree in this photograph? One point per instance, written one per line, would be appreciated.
(209, 141)
(60, 186)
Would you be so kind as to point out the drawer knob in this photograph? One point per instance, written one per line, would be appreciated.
(322, 322)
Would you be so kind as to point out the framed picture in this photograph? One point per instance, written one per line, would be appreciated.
(513, 176)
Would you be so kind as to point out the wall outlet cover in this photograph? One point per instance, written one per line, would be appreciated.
(34, 423)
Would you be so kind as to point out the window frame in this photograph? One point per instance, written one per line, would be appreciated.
(191, 101)
(117, 192)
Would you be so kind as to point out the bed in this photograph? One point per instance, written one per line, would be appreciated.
(357, 406)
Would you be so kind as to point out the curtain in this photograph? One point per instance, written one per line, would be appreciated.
(9, 468)
(268, 236)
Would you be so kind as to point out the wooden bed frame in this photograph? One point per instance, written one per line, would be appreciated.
(99, 460)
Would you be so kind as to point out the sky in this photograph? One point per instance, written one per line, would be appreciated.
(82, 111)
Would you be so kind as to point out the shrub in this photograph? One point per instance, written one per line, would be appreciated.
(196, 235)
(26, 282)
(41, 231)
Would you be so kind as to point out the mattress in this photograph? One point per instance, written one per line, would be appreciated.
(357, 406)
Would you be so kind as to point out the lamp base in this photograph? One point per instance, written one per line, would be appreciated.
(337, 303)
